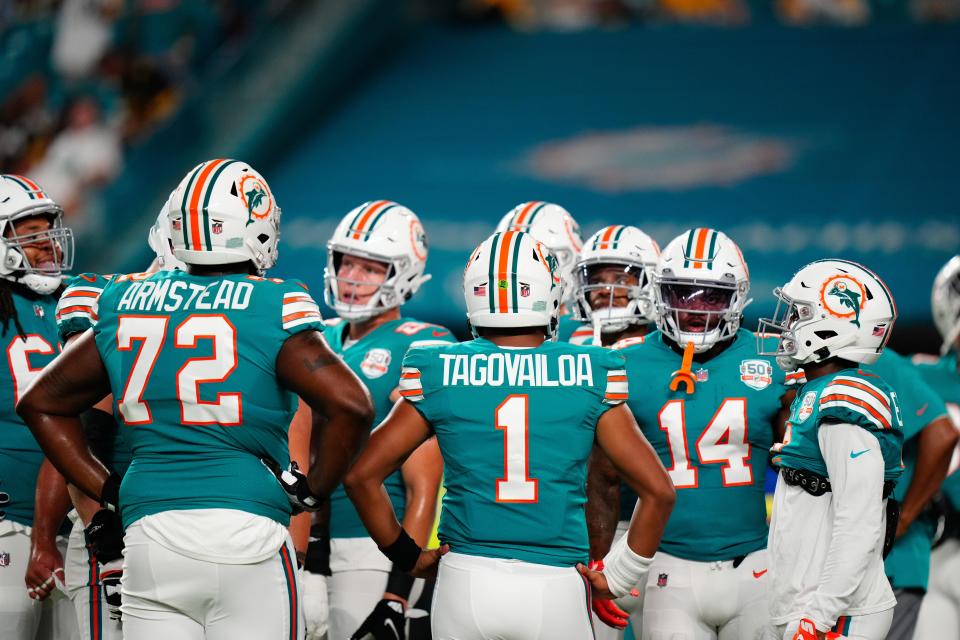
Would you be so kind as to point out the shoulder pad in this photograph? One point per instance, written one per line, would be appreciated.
(627, 342)
(861, 399)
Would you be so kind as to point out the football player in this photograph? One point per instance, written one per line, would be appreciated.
(613, 298)
(940, 613)
(553, 225)
(711, 409)
(35, 249)
(204, 367)
(375, 263)
(516, 416)
(833, 514)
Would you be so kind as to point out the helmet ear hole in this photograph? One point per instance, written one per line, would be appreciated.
(263, 238)
(824, 334)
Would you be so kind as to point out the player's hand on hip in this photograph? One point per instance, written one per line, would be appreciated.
(428, 562)
(385, 622)
(294, 484)
(607, 610)
(598, 582)
(43, 569)
(104, 536)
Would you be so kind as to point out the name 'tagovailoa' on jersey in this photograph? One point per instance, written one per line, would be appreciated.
(376, 358)
(191, 361)
(851, 396)
(26, 356)
(714, 442)
(515, 427)
(77, 311)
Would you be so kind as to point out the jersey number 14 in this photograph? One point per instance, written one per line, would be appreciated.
(724, 441)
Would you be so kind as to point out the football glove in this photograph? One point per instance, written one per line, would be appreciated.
(110, 575)
(318, 551)
(294, 483)
(104, 536)
(316, 609)
(607, 610)
(385, 622)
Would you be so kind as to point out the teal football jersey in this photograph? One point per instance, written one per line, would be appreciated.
(192, 367)
(20, 455)
(567, 325)
(713, 442)
(943, 376)
(77, 312)
(908, 565)
(376, 359)
(515, 427)
(852, 396)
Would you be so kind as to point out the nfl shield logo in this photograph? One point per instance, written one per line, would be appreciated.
(524, 290)
(216, 227)
(176, 224)
(662, 580)
(38, 311)
(701, 375)
(4, 559)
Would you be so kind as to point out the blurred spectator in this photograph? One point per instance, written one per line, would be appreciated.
(721, 12)
(87, 153)
(84, 30)
(935, 10)
(847, 13)
(27, 120)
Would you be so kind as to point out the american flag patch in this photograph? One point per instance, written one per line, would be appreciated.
(480, 290)
(879, 330)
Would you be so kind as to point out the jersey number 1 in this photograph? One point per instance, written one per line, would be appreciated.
(150, 332)
(724, 441)
(513, 417)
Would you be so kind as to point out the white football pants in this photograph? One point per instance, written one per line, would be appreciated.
(940, 611)
(629, 603)
(688, 600)
(85, 589)
(480, 598)
(167, 595)
(359, 573)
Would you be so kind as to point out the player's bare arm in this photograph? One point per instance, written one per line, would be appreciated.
(51, 407)
(52, 503)
(299, 443)
(422, 473)
(603, 503)
(935, 445)
(403, 431)
(308, 367)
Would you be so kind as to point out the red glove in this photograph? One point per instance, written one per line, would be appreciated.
(807, 631)
(607, 610)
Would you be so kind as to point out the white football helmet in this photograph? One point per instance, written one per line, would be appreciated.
(829, 309)
(162, 245)
(386, 232)
(945, 302)
(223, 212)
(22, 198)
(552, 225)
(511, 280)
(635, 254)
(702, 275)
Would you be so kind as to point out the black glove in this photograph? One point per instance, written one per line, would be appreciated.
(110, 579)
(294, 483)
(318, 551)
(386, 622)
(104, 536)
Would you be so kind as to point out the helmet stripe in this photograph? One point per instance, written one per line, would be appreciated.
(701, 243)
(183, 205)
(502, 264)
(363, 209)
(206, 201)
(616, 238)
(34, 186)
(359, 225)
(535, 213)
(198, 189)
(373, 223)
(518, 219)
(491, 280)
(688, 252)
(713, 247)
(30, 187)
(513, 277)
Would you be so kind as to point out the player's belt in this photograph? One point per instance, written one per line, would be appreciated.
(817, 485)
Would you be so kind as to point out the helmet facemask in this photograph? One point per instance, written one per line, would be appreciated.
(945, 300)
(788, 316)
(699, 312)
(612, 300)
(56, 241)
(386, 295)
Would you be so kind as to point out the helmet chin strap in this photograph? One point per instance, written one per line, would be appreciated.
(43, 285)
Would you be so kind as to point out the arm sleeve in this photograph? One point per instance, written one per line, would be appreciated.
(858, 520)
(79, 304)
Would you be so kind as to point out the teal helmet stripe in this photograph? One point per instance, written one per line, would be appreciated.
(184, 222)
(534, 213)
(491, 275)
(376, 219)
(616, 237)
(26, 188)
(689, 250)
(712, 248)
(363, 209)
(206, 200)
(514, 261)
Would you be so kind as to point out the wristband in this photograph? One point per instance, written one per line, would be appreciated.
(403, 552)
(623, 568)
(399, 583)
(110, 493)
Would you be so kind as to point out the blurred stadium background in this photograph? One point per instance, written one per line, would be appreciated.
(802, 128)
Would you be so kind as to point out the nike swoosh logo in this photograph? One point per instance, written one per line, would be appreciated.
(389, 622)
(759, 574)
(922, 410)
(437, 334)
(857, 454)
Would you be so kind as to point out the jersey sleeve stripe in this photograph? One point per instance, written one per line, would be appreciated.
(77, 309)
(296, 297)
(293, 307)
(855, 408)
(862, 381)
(82, 292)
(861, 395)
(865, 386)
(855, 404)
(296, 315)
(304, 320)
(426, 343)
(611, 378)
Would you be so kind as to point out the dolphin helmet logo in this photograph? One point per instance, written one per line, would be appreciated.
(256, 196)
(843, 296)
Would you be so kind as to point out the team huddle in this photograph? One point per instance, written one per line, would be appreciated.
(195, 452)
